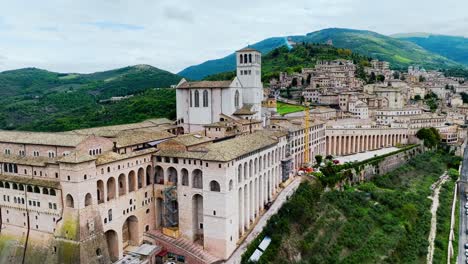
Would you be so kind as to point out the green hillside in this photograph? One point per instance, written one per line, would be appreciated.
(34, 99)
(228, 63)
(399, 53)
(303, 55)
(452, 47)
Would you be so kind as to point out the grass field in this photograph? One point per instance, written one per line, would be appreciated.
(284, 108)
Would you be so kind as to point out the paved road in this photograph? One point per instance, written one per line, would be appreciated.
(282, 197)
(462, 236)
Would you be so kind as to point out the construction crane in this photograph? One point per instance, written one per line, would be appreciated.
(306, 135)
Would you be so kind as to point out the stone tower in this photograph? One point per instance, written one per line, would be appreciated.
(249, 64)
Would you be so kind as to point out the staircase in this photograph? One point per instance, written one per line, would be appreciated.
(184, 247)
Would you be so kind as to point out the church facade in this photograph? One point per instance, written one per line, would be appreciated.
(204, 102)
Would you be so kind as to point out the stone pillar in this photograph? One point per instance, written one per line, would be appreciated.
(241, 212)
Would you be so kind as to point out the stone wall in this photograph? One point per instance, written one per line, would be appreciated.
(380, 165)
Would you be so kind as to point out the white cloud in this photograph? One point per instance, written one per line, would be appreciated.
(89, 35)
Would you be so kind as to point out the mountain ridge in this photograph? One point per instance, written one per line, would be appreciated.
(399, 53)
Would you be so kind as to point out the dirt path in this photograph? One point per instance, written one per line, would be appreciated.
(435, 204)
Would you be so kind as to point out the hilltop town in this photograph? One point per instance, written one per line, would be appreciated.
(195, 188)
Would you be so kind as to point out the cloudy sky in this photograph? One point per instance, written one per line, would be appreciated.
(96, 35)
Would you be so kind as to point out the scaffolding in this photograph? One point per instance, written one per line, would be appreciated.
(171, 210)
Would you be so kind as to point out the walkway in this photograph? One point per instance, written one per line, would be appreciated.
(435, 204)
(366, 155)
(189, 248)
(279, 201)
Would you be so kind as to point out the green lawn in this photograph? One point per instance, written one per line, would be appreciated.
(284, 108)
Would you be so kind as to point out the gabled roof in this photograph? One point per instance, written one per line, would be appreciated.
(205, 84)
(41, 138)
(247, 49)
(246, 109)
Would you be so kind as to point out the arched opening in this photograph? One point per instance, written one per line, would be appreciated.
(241, 58)
(44, 190)
(197, 179)
(250, 169)
(197, 98)
(141, 178)
(197, 216)
(130, 231)
(230, 185)
(148, 175)
(69, 201)
(88, 199)
(52, 192)
(172, 176)
(159, 212)
(205, 98)
(122, 185)
(185, 179)
(100, 191)
(36, 189)
(131, 181)
(110, 189)
(158, 175)
(214, 186)
(112, 245)
(236, 99)
(239, 173)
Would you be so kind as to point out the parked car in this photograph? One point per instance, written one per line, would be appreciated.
(466, 246)
(466, 205)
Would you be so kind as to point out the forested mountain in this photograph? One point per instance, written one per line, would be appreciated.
(305, 55)
(452, 47)
(35, 99)
(399, 53)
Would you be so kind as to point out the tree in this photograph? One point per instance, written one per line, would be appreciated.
(422, 79)
(417, 97)
(294, 82)
(329, 157)
(453, 173)
(372, 77)
(464, 97)
(430, 136)
(380, 78)
(318, 159)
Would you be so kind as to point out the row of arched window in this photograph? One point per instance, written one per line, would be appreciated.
(247, 58)
(197, 178)
(195, 98)
(29, 188)
(248, 169)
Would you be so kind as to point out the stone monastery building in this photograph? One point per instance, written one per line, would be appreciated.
(189, 189)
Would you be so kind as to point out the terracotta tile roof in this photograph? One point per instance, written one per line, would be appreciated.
(41, 138)
(112, 131)
(246, 109)
(230, 149)
(131, 138)
(205, 84)
(192, 139)
(33, 181)
(112, 156)
(248, 48)
(76, 157)
(26, 160)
